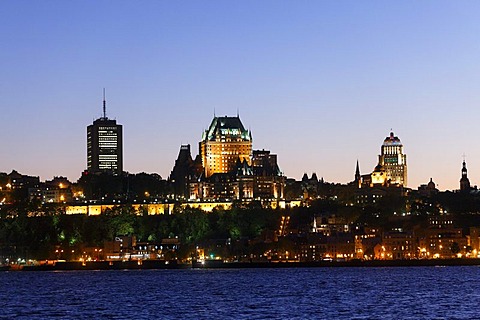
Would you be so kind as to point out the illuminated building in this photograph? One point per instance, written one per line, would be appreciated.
(225, 141)
(397, 244)
(231, 170)
(393, 161)
(21, 181)
(379, 176)
(261, 180)
(318, 247)
(464, 182)
(104, 145)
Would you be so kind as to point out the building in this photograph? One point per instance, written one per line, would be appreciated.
(227, 168)
(379, 176)
(464, 181)
(223, 143)
(396, 244)
(104, 145)
(185, 170)
(393, 161)
(358, 177)
(269, 179)
(21, 181)
(428, 190)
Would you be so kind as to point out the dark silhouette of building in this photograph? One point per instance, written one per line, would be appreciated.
(184, 171)
(104, 145)
(358, 176)
(269, 179)
(464, 182)
(428, 190)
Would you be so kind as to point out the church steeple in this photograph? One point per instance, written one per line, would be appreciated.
(357, 172)
(464, 182)
(358, 177)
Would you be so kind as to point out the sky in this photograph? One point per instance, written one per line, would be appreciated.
(319, 83)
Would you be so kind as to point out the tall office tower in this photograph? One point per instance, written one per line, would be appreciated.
(225, 141)
(393, 160)
(104, 145)
(464, 182)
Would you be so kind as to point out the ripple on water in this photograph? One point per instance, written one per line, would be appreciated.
(316, 293)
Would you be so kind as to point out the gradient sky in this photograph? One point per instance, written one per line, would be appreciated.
(320, 83)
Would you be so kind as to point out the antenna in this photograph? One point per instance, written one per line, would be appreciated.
(464, 156)
(238, 114)
(214, 112)
(104, 105)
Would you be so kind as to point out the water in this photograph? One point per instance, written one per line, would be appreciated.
(310, 293)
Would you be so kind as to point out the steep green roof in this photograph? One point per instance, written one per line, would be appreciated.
(227, 127)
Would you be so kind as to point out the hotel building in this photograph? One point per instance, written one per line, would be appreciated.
(225, 142)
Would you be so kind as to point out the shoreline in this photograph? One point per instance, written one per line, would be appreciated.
(219, 264)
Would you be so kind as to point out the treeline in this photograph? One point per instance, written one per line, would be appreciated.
(39, 237)
(29, 232)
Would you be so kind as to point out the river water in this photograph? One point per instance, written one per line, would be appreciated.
(297, 293)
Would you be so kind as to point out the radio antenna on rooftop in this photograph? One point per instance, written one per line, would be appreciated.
(104, 105)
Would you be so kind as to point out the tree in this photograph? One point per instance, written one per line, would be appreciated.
(455, 248)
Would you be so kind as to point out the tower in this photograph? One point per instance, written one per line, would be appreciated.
(223, 143)
(104, 145)
(393, 160)
(464, 182)
(358, 177)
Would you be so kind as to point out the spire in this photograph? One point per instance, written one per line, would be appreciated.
(464, 181)
(104, 105)
(358, 177)
(464, 167)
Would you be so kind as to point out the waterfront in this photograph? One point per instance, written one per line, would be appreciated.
(313, 293)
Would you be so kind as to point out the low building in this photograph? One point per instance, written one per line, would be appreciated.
(396, 244)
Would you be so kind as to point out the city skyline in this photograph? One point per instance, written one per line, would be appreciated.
(320, 85)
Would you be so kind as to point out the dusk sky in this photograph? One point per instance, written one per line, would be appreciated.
(320, 83)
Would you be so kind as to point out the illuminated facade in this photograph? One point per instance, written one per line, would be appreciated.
(225, 141)
(231, 169)
(259, 181)
(104, 145)
(393, 161)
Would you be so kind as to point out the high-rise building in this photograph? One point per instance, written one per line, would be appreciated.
(225, 142)
(104, 145)
(464, 181)
(393, 161)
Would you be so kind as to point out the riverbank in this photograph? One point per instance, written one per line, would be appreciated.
(213, 264)
(219, 264)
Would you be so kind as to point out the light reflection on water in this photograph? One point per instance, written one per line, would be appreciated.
(310, 293)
